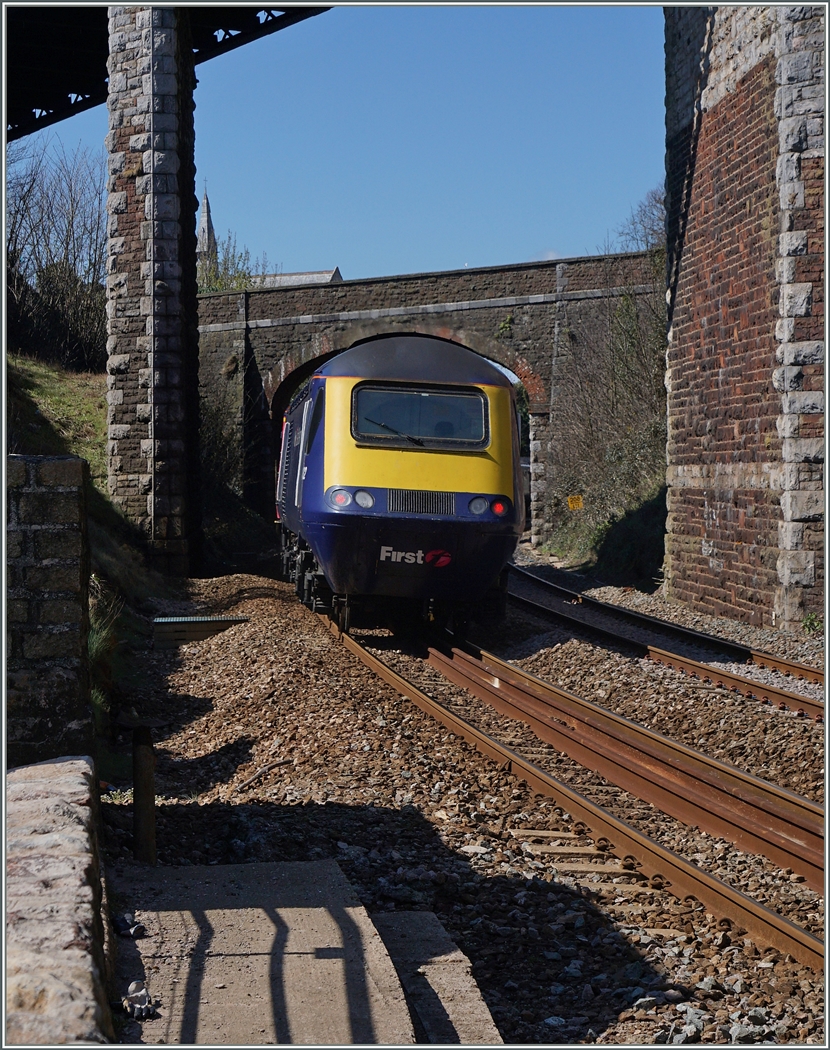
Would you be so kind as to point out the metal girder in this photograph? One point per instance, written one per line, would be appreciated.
(56, 57)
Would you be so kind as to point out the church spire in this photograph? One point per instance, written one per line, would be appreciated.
(205, 235)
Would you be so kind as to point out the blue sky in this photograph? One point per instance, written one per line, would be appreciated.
(399, 139)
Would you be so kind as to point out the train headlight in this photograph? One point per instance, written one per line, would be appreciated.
(340, 497)
(364, 499)
(478, 505)
(499, 507)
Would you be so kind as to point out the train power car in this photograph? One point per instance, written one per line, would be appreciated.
(399, 480)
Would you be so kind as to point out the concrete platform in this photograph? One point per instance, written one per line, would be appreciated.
(251, 954)
(438, 980)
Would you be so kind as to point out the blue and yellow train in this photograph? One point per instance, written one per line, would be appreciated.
(399, 480)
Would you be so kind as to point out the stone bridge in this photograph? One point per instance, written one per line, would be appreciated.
(256, 346)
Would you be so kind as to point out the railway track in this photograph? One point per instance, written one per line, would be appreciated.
(619, 851)
(784, 699)
(753, 814)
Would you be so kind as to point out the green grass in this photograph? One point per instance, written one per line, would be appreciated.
(625, 549)
(52, 412)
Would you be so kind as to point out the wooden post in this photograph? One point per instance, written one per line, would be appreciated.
(144, 797)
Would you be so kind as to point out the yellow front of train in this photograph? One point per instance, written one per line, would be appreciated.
(420, 494)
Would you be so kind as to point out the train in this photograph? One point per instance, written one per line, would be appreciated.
(399, 485)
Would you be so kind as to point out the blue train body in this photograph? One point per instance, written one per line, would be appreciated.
(399, 477)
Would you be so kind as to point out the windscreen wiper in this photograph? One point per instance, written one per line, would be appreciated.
(400, 433)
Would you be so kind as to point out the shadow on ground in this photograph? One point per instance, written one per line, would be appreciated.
(562, 958)
(632, 548)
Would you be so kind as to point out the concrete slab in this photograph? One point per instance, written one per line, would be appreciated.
(438, 980)
(251, 954)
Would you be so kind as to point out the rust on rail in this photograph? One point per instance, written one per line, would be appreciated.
(756, 816)
(661, 866)
(781, 698)
(733, 649)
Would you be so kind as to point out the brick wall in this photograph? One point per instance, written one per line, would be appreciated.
(47, 689)
(511, 314)
(744, 188)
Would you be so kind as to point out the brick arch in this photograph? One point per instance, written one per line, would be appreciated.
(282, 378)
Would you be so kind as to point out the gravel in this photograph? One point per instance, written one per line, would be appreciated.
(803, 648)
(279, 745)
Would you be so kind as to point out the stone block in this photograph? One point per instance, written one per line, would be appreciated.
(797, 568)
(51, 645)
(792, 134)
(53, 579)
(796, 300)
(803, 450)
(787, 378)
(15, 544)
(803, 402)
(795, 68)
(793, 243)
(790, 535)
(56, 611)
(162, 206)
(65, 544)
(16, 472)
(805, 353)
(803, 506)
(140, 143)
(40, 508)
(69, 471)
(17, 610)
(785, 270)
(788, 426)
(788, 168)
(791, 194)
(161, 162)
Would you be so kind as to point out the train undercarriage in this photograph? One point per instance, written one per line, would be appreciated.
(403, 615)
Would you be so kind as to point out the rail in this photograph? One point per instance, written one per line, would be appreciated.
(724, 645)
(665, 869)
(755, 815)
(781, 698)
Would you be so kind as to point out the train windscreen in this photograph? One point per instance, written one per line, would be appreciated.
(420, 416)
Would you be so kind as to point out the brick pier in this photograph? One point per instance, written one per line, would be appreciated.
(745, 170)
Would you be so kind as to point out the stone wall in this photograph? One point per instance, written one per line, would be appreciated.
(744, 192)
(256, 345)
(47, 572)
(152, 340)
(57, 968)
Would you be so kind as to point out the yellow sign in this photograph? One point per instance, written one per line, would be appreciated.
(575, 503)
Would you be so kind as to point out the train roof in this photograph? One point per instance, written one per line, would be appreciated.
(418, 358)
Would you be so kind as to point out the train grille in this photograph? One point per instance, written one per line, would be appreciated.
(414, 501)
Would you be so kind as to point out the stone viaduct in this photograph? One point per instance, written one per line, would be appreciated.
(256, 346)
(744, 192)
